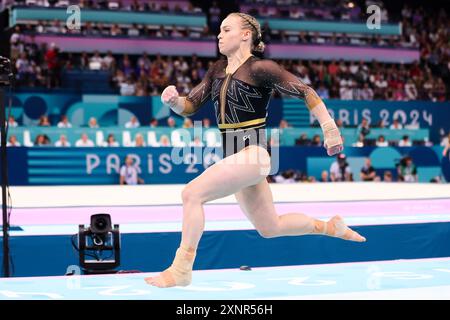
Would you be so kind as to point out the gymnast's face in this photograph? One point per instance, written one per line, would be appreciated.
(232, 35)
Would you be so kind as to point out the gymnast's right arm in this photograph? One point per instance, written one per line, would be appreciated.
(186, 106)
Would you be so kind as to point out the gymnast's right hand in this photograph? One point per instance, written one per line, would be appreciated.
(170, 96)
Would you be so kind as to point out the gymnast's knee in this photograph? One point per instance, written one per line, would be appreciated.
(189, 195)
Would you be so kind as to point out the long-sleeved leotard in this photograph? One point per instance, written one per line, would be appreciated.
(241, 99)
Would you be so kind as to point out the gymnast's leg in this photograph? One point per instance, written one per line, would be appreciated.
(245, 168)
(257, 203)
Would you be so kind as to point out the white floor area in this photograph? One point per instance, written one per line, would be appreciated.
(106, 195)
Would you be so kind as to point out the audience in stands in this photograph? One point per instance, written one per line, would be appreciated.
(426, 79)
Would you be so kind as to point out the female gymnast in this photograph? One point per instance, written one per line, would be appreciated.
(240, 88)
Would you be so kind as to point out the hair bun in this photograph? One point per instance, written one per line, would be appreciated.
(259, 47)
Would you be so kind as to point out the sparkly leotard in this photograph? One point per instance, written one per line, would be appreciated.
(241, 99)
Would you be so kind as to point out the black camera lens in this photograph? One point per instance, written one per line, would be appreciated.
(100, 224)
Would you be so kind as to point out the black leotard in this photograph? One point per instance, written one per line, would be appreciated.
(241, 99)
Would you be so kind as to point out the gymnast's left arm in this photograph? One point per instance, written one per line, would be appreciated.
(271, 74)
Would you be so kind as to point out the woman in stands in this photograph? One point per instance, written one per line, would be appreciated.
(240, 88)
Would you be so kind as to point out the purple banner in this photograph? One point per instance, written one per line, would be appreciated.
(130, 45)
(351, 53)
(209, 49)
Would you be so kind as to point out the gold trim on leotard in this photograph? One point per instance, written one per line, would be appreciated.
(241, 124)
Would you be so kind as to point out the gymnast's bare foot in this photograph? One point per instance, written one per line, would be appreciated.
(179, 273)
(336, 227)
(166, 280)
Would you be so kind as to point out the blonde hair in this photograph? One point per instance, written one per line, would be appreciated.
(250, 22)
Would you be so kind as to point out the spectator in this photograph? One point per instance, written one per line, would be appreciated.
(43, 121)
(381, 142)
(284, 124)
(154, 123)
(62, 142)
(84, 141)
(187, 123)
(206, 123)
(340, 169)
(12, 142)
(41, 140)
(396, 125)
(360, 142)
(93, 123)
(323, 92)
(346, 92)
(133, 31)
(368, 172)
(324, 176)
(411, 90)
(64, 123)
(214, 17)
(197, 142)
(164, 141)
(363, 128)
(24, 69)
(407, 171)
(53, 66)
(366, 92)
(380, 124)
(387, 176)
(405, 142)
(133, 123)
(109, 62)
(287, 176)
(162, 33)
(111, 141)
(12, 122)
(129, 173)
(138, 141)
(115, 30)
(302, 140)
(316, 141)
(144, 63)
(96, 62)
(128, 87)
(176, 33)
(171, 122)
